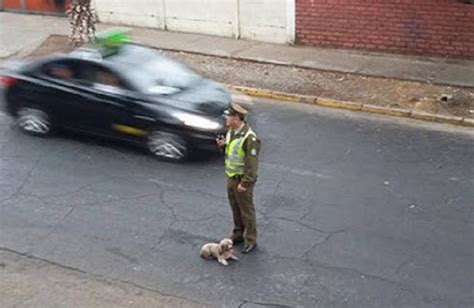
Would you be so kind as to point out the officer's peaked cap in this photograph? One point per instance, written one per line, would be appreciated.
(236, 109)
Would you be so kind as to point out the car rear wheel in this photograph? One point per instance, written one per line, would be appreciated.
(34, 121)
(167, 146)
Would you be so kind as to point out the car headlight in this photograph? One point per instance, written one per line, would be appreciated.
(198, 122)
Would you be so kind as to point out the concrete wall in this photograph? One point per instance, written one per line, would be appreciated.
(263, 20)
(216, 17)
(144, 13)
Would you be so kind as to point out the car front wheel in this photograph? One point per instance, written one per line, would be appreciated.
(167, 146)
(34, 121)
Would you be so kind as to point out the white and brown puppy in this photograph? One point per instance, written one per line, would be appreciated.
(222, 251)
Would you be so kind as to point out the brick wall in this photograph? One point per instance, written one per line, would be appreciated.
(425, 27)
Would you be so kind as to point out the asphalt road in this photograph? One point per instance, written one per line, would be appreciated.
(354, 210)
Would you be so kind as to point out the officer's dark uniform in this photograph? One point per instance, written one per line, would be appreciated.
(241, 203)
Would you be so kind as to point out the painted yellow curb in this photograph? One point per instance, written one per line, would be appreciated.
(436, 118)
(423, 116)
(275, 94)
(468, 122)
(397, 112)
(338, 104)
(405, 113)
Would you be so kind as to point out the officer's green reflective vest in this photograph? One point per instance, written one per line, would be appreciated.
(235, 154)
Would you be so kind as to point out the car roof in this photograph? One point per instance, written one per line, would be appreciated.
(128, 54)
(134, 62)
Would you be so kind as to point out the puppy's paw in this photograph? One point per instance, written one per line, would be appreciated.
(224, 262)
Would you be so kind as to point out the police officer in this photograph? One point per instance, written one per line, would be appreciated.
(241, 147)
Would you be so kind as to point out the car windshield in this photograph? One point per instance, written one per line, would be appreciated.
(153, 73)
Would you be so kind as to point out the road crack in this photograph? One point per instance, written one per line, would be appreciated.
(23, 183)
(264, 304)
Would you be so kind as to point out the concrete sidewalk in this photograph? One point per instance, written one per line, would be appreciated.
(34, 29)
(26, 281)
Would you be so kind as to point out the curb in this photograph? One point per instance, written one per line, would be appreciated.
(314, 100)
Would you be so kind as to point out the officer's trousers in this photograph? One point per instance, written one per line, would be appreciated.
(243, 212)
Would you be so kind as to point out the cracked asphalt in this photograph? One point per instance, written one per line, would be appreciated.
(354, 210)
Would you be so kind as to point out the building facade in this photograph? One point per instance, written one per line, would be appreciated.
(419, 27)
(262, 20)
(424, 27)
(34, 6)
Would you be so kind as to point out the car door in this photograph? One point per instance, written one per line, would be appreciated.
(54, 90)
(114, 109)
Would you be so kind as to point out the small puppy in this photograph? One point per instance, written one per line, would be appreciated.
(221, 251)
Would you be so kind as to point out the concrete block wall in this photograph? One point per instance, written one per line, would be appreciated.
(142, 13)
(263, 20)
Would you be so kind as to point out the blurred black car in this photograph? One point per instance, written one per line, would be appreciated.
(128, 92)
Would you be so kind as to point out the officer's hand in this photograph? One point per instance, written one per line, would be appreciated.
(220, 141)
(241, 188)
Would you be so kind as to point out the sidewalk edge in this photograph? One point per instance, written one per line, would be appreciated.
(355, 106)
